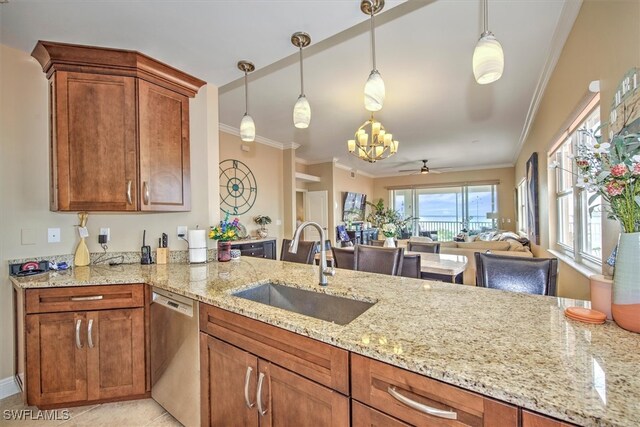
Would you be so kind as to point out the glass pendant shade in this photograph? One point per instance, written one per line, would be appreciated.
(247, 129)
(374, 92)
(302, 113)
(488, 59)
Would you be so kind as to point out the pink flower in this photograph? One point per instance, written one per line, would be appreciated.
(619, 170)
(614, 188)
(636, 169)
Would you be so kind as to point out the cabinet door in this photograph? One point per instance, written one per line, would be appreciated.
(228, 384)
(531, 419)
(56, 358)
(93, 137)
(115, 353)
(164, 149)
(287, 399)
(363, 416)
(270, 249)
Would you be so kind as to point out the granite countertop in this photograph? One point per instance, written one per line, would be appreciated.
(513, 347)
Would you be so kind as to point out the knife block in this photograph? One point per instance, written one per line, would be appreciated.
(162, 256)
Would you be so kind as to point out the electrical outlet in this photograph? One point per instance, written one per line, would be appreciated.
(53, 235)
(182, 231)
(106, 231)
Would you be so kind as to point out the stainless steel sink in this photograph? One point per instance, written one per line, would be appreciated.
(319, 305)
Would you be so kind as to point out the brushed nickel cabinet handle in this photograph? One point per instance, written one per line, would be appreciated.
(247, 377)
(90, 333)
(261, 410)
(129, 200)
(78, 343)
(89, 298)
(145, 192)
(450, 415)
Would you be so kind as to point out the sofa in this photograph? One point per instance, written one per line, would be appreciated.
(509, 247)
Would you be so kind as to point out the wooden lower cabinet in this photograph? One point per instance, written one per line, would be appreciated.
(531, 419)
(422, 401)
(77, 357)
(240, 389)
(364, 416)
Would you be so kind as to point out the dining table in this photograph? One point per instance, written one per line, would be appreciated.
(443, 267)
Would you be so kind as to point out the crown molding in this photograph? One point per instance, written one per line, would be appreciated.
(302, 161)
(259, 139)
(567, 18)
(350, 169)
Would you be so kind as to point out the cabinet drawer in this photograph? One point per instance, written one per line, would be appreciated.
(80, 298)
(375, 384)
(320, 362)
(259, 252)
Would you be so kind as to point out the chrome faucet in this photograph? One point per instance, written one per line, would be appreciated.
(293, 248)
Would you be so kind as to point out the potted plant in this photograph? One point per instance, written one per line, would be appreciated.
(262, 221)
(224, 233)
(379, 216)
(389, 230)
(612, 170)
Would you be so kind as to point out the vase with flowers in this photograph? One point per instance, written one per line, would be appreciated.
(224, 233)
(262, 221)
(612, 170)
(389, 230)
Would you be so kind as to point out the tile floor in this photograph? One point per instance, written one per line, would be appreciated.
(133, 413)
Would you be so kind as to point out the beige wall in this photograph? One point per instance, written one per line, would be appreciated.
(505, 189)
(266, 164)
(24, 183)
(603, 45)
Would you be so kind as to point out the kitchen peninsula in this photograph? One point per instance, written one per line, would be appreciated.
(514, 348)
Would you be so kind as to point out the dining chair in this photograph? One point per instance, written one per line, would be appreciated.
(378, 260)
(343, 258)
(517, 274)
(411, 266)
(428, 247)
(306, 251)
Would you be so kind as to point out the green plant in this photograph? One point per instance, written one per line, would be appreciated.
(379, 216)
(262, 220)
(226, 230)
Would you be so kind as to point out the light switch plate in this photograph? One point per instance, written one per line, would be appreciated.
(28, 236)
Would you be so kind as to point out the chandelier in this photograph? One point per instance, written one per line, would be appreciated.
(372, 142)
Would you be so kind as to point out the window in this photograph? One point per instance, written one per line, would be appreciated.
(521, 201)
(579, 226)
(447, 210)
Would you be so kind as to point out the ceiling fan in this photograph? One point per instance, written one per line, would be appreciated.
(423, 170)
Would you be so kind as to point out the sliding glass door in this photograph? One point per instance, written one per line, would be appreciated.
(446, 211)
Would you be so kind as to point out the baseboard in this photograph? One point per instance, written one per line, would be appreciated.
(8, 386)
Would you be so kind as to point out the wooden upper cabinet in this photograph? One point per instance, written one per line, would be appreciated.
(94, 143)
(119, 129)
(164, 149)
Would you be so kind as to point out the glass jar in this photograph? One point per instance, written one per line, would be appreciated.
(224, 251)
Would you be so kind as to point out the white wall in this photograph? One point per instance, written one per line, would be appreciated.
(24, 183)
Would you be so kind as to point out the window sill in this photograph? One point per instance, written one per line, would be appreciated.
(580, 268)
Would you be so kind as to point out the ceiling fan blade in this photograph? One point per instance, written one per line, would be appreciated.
(409, 170)
(434, 171)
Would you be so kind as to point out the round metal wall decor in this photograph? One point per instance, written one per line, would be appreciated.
(238, 188)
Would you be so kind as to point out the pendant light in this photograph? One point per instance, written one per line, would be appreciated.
(247, 127)
(374, 91)
(488, 58)
(302, 109)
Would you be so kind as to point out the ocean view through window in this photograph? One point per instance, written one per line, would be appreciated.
(447, 211)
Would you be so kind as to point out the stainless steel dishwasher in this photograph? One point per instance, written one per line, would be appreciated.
(175, 356)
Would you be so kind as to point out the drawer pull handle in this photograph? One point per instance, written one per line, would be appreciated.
(261, 410)
(420, 407)
(89, 298)
(247, 377)
(129, 200)
(90, 333)
(78, 343)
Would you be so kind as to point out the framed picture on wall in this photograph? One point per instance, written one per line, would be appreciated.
(533, 209)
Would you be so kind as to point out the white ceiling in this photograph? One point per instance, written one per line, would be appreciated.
(424, 48)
